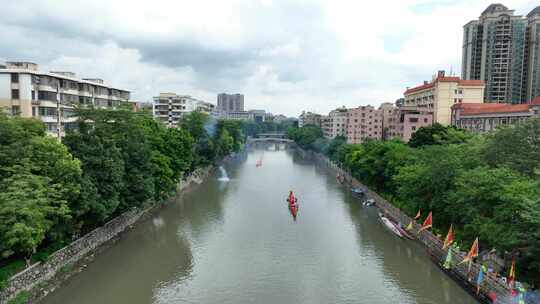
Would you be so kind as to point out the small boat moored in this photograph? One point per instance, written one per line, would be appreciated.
(357, 191)
(368, 203)
(389, 225)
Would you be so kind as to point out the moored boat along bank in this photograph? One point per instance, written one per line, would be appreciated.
(464, 274)
(41, 278)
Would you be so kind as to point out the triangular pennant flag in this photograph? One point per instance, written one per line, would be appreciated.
(472, 253)
(449, 238)
(428, 222)
(417, 215)
(410, 226)
(512, 273)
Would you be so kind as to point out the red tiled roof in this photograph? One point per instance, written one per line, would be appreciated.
(487, 108)
(419, 88)
(445, 79)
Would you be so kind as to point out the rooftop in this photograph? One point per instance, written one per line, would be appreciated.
(493, 8)
(445, 79)
(535, 11)
(490, 108)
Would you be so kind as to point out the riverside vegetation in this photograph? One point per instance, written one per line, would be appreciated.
(52, 192)
(487, 186)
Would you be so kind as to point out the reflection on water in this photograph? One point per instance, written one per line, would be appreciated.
(236, 243)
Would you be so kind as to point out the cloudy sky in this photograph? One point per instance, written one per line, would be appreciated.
(285, 56)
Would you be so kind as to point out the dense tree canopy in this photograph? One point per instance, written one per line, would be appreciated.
(438, 134)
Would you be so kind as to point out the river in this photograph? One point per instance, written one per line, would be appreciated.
(236, 242)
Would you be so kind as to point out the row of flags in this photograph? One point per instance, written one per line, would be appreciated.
(471, 254)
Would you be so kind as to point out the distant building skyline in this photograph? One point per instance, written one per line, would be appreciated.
(230, 102)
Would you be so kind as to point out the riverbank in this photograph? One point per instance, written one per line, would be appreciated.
(40, 279)
(461, 273)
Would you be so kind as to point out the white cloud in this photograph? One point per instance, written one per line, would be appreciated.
(285, 55)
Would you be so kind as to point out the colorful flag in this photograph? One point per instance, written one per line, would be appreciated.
(480, 279)
(448, 262)
(512, 273)
(417, 215)
(410, 226)
(428, 222)
(449, 238)
(472, 253)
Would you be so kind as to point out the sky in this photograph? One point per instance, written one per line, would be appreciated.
(284, 56)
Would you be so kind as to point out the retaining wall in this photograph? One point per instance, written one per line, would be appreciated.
(42, 272)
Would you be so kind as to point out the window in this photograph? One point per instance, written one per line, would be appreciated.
(413, 119)
(15, 94)
(413, 128)
(45, 95)
(15, 110)
(14, 78)
(33, 111)
(425, 120)
(33, 95)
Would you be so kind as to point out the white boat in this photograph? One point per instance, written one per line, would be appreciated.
(388, 224)
(368, 203)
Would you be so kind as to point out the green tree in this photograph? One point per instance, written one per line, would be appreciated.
(306, 137)
(29, 206)
(438, 134)
(224, 143)
(517, 147)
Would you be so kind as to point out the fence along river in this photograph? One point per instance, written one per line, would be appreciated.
(235, 242)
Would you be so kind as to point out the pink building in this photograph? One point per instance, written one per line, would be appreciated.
(363, 123)
(410, 119)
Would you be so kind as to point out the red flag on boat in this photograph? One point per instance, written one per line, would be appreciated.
(472, 253)
(449, 238)
(512, 273)
(417, 215)
(428, 222)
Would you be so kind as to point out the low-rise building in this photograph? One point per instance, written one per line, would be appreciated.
(486, 117)
(52, 96)
(363, 123)
(170, 107)
(441, 93)
(335, 124)
(409, 120)
(309, 118)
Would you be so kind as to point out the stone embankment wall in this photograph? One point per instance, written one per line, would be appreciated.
(461, 272)
(42, 272)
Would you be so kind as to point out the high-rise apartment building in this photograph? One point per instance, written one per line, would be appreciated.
(230, 102)
(532, 53)
(501, 49)
(51, 96)
(170, 107)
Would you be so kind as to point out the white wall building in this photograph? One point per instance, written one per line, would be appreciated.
(51, 96)
(170, 107)
(335, 124)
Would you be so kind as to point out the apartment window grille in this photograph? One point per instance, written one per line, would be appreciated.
(14, 78)
(15, 94)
